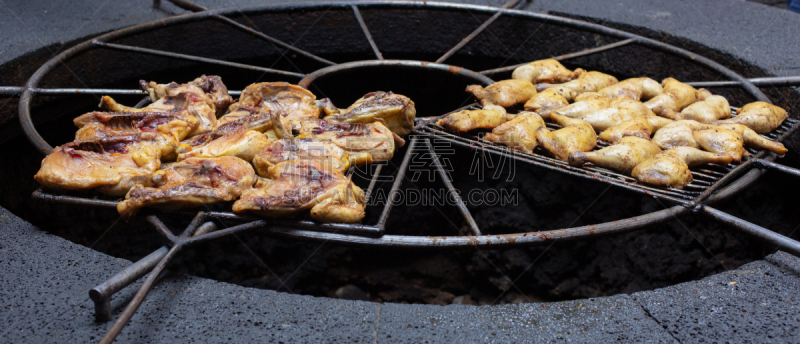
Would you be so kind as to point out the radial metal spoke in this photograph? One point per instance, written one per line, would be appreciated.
(451, 190)
(565, 56)
(14, 90)
(194, 58)
(784, 81)
(364, 28)
(471, 36)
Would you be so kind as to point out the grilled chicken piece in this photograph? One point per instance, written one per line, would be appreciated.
(721, 140)
(328, 156)
(487, 118)
(585, 103)
(548, 70)
(550, 99)
(240, 142)
(302, 184)
(638, 127)
(176, 123)
(678, 134)
(112, 165)
(634, 88)
(671, 167)
(293, 102)
(621, 109)
(676, 96)
(364, 142)
(212, 86)
(190, 97)
(190, 183)
(576, 136)
(586, 82)
(166, 143)
(518, 133)
(504, 93)
(753, 139)
(705, 111)
(396, 110)
(760, 116)
(621, 157)
(658, 122)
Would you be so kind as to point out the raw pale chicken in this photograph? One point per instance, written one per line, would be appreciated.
(576, 136)
(548, 70)
(760, 116)
(519, 133)
(395, 110)
(504, 93)
(621, 157)
(634, 88)
(671, 167)
(705, 111)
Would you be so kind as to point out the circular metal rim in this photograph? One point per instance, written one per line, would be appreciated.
(530, 238)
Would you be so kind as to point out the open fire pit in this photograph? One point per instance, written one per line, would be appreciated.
(591, 250)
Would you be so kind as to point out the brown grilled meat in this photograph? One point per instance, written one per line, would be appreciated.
(487, 118)
(634, 88)
(576, 136)
(395, 110)
(241, 143)
(329, 156)
(638, 127)
(676, 96)
(518, 133)
(364, 142)
(586, 82)
(504, 93)
(292, 102)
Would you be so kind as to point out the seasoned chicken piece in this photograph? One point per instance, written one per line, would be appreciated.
(550, 99)
(190, 183)
(586, 82)
(189, 97)
(760, 116)
(678, 134)
(293, 102)
(704, 111)
(721, 140)
(753, 139)
(504, 93)
(112, 165)
(671, 167)
(364, 142)
(639, 127)
(328, 155)
(487, 118)
(658, 122)
(575, 136)
(241, 143)
(634, 88)
(548, 70)
(676, 96)
(175, 123)
(395, 110)
(584, 104)
(166, 143)
(302, 184)
(212, 86)
(518, 133)
(621, 157)
(621, 109)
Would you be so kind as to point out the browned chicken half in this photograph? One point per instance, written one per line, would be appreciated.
(395, 110)
(634, 88)
(705, 111)
(548, 70)
(190, 183)
(174, 123)
(166, 143)
(518, 133)
(112, 165)
(293, 102)
(576, 136)
(487, 118)
(721, 140)
(760, 116)
(329, 156)
(586, 82)
(550, 99)
(504, 93)
(639, 127)
(364, 142)
(621, 157)
(671, 167)
(303, 184)
(241, 143)
(676, 96)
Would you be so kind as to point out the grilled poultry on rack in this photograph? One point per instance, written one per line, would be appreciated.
(586, 82)
(240, 142)
(684, 133)
(671, 167)
(619, 110)
(189, 183)
(676, 96)
(576, 136)
(550, 99)
(329, 156)
(639, 127)
(548, 70)
(585, 103)
(705, 111)
(175, 123)
(634, 88)
(166, 143)
(465, 120)
(518, 133)
(395, 110)
(677, 134)
(621, 157)
(504, 93)
(721, 140)
(364, 142)
(754, 140)
(292, 102)
(762, 117)
(305, 184)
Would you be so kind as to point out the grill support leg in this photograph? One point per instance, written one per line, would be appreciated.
(783, 242)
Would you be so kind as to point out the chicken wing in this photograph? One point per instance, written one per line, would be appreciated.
(760, 116)
(705, 111)
(396, 110)
(639, 127)
(293, 102)
(634, 88)
(676, 96)
(241, 143)
(327, 155)
(364, 142)
(487, 118)
(621, 157)
(518, 133)
(576, 136)
(190, 183)
(671, 167)
(504, 93)
(549, 70)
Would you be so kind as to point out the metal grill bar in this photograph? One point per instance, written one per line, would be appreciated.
(471, 36)
(565, 56)
(364, 28)
(451, 191)
(782, 242)
(387, 209)
(14, 90)
(783, 81)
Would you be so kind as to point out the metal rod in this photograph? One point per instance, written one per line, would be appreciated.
(398, 63)
(364, 28)
(451, 190)
(194, 58)
(162, 229)
(783, 242)
(397, 182)
(471, 36)
(565, 56)
(14, 90)
(778, 167)
(372, 183)
(188, 5)
(775, 81)
(39, 194)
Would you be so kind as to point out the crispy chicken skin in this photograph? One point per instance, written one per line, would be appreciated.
(174, 123)
(705, 111)
(329, 156)
(576, 136)
(292, 102)
(504, 93)
(211, 85)
(634, 88)
(762, 117)
(518, 133)
(676, 96)
(487, 118)
(166, 143)
(671, 167)
(396, 110)
(304, 184)
(621, 157)
(111, 165)
(190, 183)
(363, 142)
(241, 143)
(548, 70)
(190, 97)
(639, 127)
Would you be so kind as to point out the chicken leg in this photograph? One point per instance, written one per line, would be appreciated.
(576, 136)
(671, 167)
(504, 93)
(621, 157)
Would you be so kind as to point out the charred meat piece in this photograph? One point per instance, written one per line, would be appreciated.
(173, 123)
(166, 143)
(397, 111)
(364, 142)
(329, 156)
(190, 183)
